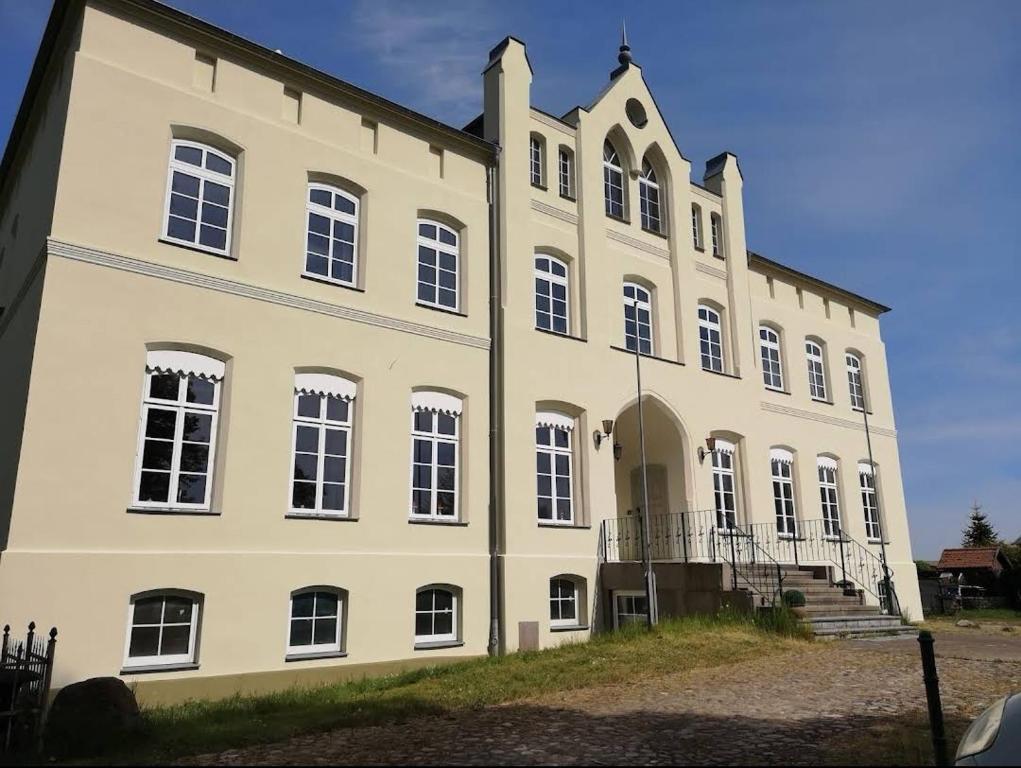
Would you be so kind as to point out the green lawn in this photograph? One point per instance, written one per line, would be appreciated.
(634, 654)
(1007, 616)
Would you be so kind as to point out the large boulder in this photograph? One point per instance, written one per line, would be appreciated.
(89, 717)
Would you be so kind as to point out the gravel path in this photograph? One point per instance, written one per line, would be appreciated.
(788, 709)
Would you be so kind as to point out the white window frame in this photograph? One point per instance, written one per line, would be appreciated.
(815, 357)
(334, 216)
(574, 597)
(449, 406)
(772, 358)
(710, 334)
(870, 502)
(627, 593)
(723, 461)
(547, 274)
(180, 407)
(554, 422)
(565, 169)
(696, 226)
(785, 507)
(450, 637)
(440, 248)
(649, 195)
(855, 381)
(315, 649)
(829, 496)
(331, 387)
(204, 175)
(535, 160)
(167, 660)
(613, 178)
(716, 229)
(643, 304)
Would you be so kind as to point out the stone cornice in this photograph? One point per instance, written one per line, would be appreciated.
(824, 419)
(552, 122)
(556, 213)
(631, 242)
(246, 290)
(710, 270)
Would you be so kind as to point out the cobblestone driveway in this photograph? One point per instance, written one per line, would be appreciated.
(788, 709)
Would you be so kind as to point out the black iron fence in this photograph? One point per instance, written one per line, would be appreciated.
(26, 669)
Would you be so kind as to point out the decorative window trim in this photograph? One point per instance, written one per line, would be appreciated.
(455, 613)
(785, 508)
(782, 455)
(552, 278)
(441, 402)
(204, 175)
(829, 495)
(324, 387)
(438, 404)
(186, 364)
(166, 660)
(333, 216)
(869, 490)
(724, 467)
(554, 421)
(826, 462)
(441, 249)
(710, 322)
(315, 649)
(327, 384)
(643, 304)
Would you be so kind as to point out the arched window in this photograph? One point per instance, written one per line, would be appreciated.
(772, 367)
(637, 318)
(331, 243)
(316, 621)
(200, 197)
(566, 172)
(435, 449)
(438, 267)
(696, 226)
(710, 338)
(177, 435)
(854, 381)
(536, 159)
(162, 629)
(552, 311)
(648, 197)
(566, 602)
(321, 477)
(781, 463)
(716, 224)
(869, 501)
(828, 495)
(724, 487)
(554, 467)
(436, 615)
(613, 181)
(816, 370)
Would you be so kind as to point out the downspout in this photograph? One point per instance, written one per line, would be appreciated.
(495, 411)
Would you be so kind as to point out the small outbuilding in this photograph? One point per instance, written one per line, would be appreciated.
(976, 567)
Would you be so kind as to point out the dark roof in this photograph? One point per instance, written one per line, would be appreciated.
(759, 259)
(970, 557)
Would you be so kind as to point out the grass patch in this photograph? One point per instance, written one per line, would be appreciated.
(899, 740)
(630, 655)
(1005, 616)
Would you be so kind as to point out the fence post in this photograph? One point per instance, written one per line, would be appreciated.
(843, 567)
(795, 540)
(712, 542)
(939, 739)
(684, 534)
(7, 637)
(733, 558)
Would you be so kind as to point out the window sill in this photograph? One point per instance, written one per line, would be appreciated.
(700, 249)
(721, 373)
(430, 521)
(656, 232)
(650, 357)
(436, 644)
(334, 283)
(569, 628)
(151, 668)
(540, 185)
(561, 335)
(316, 516)
(436, 308)
(570, 198)
(719, 256)
(820, 400)
(778, 391)
(197, 248)
(172, 511)
(568, 526)
(621, 219)
(861, 410)
(314, 656)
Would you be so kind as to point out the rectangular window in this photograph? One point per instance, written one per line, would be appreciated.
(783, 496)
(870, 503)
(629, 608)
(435, 616)
(710, 339)
(438, 272)
(563, 603)
(200, 191)
(769, 347)
(434, 457)
(717, 234)
(566, 166)
(321, 449)
(553, 473)
(854, 382)
(816, 371)
(315, 624)
(637, 319)
(551, 302)
(828, 497)
(696, 226)
(331, 242)
(162, 630)
(723, 489)
(535, 161)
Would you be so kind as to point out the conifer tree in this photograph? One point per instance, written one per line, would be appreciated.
(979, 532)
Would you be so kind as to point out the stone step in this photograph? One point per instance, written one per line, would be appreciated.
(864, 619)
(864, 633)
(849, 609)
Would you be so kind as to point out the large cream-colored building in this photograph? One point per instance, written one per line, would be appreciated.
(299, 383)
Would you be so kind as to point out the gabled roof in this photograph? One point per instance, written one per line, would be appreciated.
(970, 557)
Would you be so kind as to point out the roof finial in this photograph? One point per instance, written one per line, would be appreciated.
(624, 57)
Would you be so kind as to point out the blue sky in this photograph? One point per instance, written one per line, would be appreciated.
(879, 144)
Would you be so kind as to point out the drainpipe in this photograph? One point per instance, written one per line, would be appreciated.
(495, 411)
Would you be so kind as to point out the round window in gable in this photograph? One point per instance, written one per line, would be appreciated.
(636, 113)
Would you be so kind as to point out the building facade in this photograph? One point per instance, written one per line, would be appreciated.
(301, 384)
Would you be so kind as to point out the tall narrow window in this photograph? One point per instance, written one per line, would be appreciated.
(869, 501)
(637, 318)
(566, 171)
(438, 269)
(435, 435)
(724, 491)
(854, 382)
(696, 226)
(648, 197)
(564, 602)
(316, 622)
(177, 436)
(710, 339)
(828, 496)
(781, 463)
(535, 158)
(331, 242)
(553, 466)
(322, 444)
(716, 223)
(816, 370)
(772, 368)
(613, 181)
(163, 629)
(200, 197)
(435, 615)
(551, 295)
